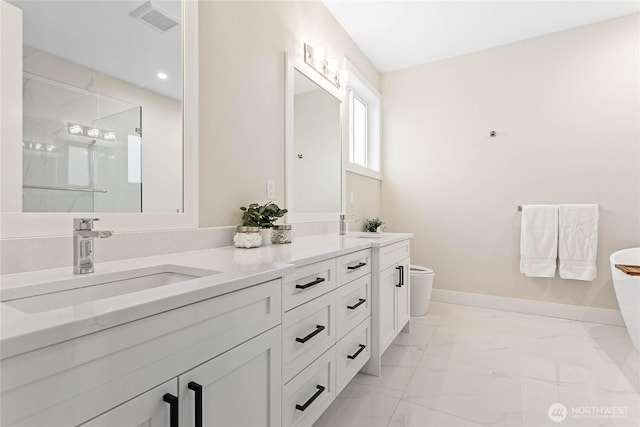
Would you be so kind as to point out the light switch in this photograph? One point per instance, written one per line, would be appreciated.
(271, 189)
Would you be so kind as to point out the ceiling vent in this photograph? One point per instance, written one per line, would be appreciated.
(155, 17)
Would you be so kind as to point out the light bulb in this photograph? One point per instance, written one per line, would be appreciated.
(75, 129)
(93, 132)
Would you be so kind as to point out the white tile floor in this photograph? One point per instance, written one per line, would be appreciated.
(467, 366)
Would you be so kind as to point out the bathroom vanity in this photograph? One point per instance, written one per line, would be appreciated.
(265, 336)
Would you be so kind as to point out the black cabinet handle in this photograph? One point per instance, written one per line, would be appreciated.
(402, 275)
(310, 401)
(319, 328)
(355, 267)
(399, 284)
(358, 304)
(308, 285)
(360, 350)
(197, 388)
(173, 408)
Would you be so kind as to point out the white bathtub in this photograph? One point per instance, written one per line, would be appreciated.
(628, 291)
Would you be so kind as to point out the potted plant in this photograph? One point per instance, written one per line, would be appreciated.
(373, 225)
(263, 216)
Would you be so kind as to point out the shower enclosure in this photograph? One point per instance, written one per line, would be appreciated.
(81, 150)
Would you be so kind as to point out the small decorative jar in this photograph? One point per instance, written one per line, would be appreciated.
(281, 234)
(247, 237)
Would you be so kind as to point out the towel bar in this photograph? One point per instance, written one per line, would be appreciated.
(519, 208)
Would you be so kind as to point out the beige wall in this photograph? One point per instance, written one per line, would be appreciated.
(367, 203)
(242, 89)
(566, 109)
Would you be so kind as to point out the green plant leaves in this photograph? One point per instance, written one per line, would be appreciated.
(263, 216)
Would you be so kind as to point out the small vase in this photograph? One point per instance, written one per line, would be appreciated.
(266, 236)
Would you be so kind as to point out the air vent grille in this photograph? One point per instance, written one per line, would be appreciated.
(155, 17)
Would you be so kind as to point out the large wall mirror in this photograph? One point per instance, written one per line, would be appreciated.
(314, 146)
(105, 90)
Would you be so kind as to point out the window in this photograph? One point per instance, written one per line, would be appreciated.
(364, 128)
(357, 131)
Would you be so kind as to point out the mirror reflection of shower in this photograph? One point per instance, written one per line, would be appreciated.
(81, 150)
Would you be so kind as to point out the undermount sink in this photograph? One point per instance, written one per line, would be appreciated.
(366, 236)
(82, 289)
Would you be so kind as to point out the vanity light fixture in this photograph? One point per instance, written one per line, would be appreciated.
(328, 67)
(91, 132)
(75, 129)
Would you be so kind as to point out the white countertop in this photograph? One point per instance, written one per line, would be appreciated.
(239, 268)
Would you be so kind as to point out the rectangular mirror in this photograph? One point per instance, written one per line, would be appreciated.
(102, 106)
(90, 124)
(314, 146)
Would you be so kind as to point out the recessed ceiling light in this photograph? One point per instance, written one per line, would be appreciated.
(162, 76)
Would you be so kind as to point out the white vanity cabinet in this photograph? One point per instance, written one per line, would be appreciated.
(324, 322)
(229, 345)
(391, 298)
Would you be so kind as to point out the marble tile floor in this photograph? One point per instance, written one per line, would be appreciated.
(468, 367)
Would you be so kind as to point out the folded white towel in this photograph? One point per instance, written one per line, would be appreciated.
(578, 241)
(539, 240)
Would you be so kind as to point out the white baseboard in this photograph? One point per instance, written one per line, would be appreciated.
(542, 308)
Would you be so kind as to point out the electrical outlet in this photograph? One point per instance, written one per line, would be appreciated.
(271, 189)
(351, 197)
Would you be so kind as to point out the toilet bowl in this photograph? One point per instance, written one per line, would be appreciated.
(627, 290)
(421, 286)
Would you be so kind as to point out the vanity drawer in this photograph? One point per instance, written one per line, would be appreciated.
(310, 393)
(308, 282)
(352, 352)
(353, 302)
(70, 382)
(394, 253)
(308, 331)
(354, 265)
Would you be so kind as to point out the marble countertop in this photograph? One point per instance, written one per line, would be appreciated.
(238, 268)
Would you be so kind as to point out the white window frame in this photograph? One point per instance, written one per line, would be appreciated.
(357, 86)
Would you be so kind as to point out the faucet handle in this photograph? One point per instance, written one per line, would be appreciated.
(84, 223)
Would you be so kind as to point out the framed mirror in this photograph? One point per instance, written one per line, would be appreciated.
(314, 172)
(108, 120)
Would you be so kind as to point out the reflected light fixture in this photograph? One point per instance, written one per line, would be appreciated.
(91, 132)
(316, 57)
(162, 76)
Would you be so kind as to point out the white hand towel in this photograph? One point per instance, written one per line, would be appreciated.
(539, 240)
(578, 241)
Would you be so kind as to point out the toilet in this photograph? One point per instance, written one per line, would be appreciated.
(421, 285)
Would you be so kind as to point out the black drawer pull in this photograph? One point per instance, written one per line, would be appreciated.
(197, 388)
(173, 408)
(400, 276)
(355, 267)
(358, 304)
(308, 285)
(360, 350)
(310, 401)
(319, 328)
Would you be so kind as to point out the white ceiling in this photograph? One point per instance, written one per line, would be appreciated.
(101, 35)
(400, 34)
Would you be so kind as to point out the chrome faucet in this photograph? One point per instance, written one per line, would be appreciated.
(83, 235)
(343, 224)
